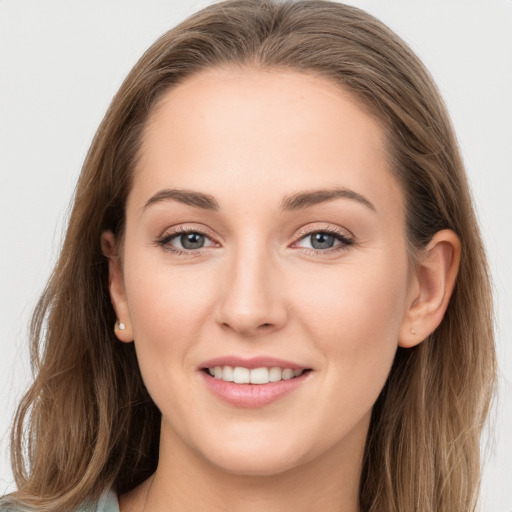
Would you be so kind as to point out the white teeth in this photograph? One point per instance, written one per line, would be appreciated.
(274, 374)
(259, 376)
(287, 374)
(241, 375)
(227, 374)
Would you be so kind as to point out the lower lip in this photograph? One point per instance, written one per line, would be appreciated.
(252, 395)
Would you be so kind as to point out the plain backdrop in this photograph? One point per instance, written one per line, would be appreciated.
(62, 61)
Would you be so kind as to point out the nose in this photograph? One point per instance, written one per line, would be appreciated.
(252, 298)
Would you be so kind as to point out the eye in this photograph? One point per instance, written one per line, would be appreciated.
(325, 240)
(183, 241)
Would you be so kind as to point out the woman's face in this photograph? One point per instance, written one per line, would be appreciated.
(264, 230)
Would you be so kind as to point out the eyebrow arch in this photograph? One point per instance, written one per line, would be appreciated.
(294, 202)
(190, 197)
(310, 198)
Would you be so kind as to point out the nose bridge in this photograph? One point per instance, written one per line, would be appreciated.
(251, 300)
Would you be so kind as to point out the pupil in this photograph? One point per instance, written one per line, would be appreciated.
(322, 241)
(192, 240)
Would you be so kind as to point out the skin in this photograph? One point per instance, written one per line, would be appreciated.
(250, 138)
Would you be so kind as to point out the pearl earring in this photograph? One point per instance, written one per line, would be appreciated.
(121, 326)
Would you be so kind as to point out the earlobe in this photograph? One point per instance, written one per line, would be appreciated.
(433, 283)
(122, 327)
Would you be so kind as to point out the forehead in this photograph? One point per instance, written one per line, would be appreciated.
(255, 130)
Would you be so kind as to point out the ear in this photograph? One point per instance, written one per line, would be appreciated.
(123, 326)
(430, 289)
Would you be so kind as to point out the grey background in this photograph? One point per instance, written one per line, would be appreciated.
(62, 61)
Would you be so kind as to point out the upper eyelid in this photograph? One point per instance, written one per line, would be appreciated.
(301, 233)
(342, 232)
(174, 231)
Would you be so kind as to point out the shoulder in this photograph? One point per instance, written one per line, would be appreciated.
(107, 502)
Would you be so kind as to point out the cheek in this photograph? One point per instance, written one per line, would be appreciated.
(356, 303)
(354, 315)
(168, 310)
(166, 305)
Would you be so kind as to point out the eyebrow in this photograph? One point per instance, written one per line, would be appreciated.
(294, 202)
(312, 197)
(190, 197)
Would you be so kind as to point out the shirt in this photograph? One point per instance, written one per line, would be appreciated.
(107, 502)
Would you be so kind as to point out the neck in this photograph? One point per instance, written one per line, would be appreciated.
(186, 482)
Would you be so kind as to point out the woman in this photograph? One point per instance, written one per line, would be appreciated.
(267, 292)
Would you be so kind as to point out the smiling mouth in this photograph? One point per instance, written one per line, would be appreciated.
(263, 375)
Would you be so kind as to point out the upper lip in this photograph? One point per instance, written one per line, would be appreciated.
(253, 362)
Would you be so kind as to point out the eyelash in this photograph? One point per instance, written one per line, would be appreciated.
(345, 241)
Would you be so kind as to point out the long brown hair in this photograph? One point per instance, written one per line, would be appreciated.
(87, 422)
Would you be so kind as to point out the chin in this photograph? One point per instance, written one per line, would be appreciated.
(257, 466)
(263, 457)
